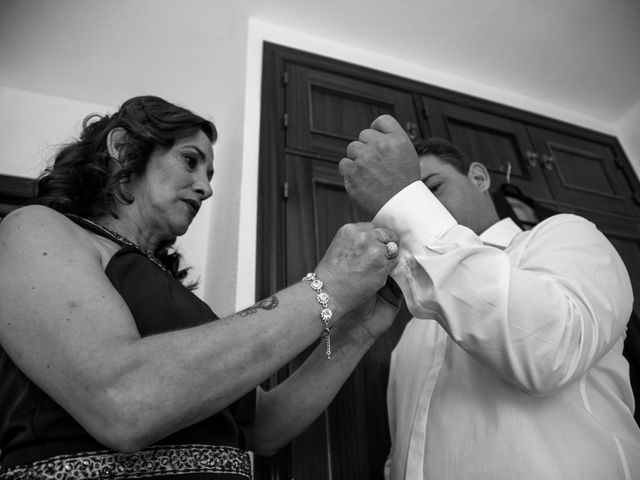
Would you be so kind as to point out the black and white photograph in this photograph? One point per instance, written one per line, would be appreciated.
(301, 240)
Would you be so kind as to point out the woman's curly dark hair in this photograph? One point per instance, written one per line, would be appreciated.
(86, 181)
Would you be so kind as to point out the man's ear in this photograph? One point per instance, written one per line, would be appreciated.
(479, 176)
(116, 139)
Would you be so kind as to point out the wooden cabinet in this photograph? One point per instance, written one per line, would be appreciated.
(325, 111)
(586, 171)
(501, 144)
(556, 167)
(312, 107)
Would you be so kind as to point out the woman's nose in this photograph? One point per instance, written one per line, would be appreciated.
(203, 187)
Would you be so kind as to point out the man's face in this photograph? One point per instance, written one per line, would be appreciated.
(456, 191)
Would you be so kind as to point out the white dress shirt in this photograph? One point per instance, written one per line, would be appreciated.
(513, 368)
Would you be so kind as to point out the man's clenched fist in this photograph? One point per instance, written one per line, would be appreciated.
(379, 164)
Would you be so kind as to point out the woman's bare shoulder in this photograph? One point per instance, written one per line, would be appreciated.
(37, 226)
(34, 219)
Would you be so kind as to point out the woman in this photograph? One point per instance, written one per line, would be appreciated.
(106, 353)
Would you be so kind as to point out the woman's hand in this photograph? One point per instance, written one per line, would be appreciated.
(356, 264)
(376, 315)
(286, 410)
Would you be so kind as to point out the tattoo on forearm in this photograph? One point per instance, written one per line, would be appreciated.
(266, 304)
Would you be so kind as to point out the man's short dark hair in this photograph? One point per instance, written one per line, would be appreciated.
(445, 151)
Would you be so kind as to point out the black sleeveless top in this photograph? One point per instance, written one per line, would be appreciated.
(34, 427)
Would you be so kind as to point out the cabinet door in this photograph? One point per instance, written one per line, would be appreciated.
(583, 172)
(326, 111)
(351, 438)
(501, 144)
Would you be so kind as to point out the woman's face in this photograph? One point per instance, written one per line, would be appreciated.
(176, 181)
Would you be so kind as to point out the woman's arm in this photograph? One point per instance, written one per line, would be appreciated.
(67, 329)
(287, 410)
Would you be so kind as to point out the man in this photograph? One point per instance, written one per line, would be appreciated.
(513, 366)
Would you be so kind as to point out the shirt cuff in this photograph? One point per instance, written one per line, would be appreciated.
(416, 215)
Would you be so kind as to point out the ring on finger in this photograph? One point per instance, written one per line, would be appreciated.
(392, 249)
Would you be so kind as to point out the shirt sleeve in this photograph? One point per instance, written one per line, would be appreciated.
(540, 320)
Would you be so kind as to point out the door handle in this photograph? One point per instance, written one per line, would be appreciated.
(532, 158)
(547, 161)
(412, 130)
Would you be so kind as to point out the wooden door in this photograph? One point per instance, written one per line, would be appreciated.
(584, 172)
(321, 112)
(501, 144)
(325, 111)
(351, 439)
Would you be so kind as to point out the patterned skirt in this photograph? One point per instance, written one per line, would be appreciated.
(163, 462)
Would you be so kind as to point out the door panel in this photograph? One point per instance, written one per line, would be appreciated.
(351, 439)
(325, 111)
(583, 172)
(501, 144)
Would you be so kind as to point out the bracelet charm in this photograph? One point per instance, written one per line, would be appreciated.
(325, 315)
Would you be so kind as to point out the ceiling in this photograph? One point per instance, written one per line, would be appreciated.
(581, 55)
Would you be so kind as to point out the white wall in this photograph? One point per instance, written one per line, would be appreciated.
(628, 132)
(33, 125)
(222, 241)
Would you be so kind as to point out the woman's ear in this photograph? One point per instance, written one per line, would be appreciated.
(116, 138)
(479, 176)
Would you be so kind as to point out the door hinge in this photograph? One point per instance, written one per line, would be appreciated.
(425, 111)
(285, 190)
(285, 78)
(285, 120)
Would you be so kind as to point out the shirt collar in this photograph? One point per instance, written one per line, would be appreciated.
(501, 233)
